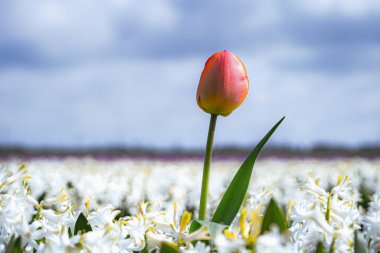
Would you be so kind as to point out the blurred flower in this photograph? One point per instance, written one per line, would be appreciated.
(199, 247)
(102, 217)
(371, 223)
(273, 242)
(30, 233)
(223, 85)
(230, 242)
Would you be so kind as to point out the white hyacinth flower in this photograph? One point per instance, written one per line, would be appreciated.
(273, 242)
(199, 247)
(371, 224)
(330, 217)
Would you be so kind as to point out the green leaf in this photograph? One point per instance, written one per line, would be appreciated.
(360, 243)
(14, 245)
(365, 197)
(41, 197)
(70, 231)
(82, 225)
(169, 248)
(273, 215)
(213, 228)
(194, 226)
(234, 196)
(146, 248)
(320, 248)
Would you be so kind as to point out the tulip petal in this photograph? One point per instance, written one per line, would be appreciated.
(223, 85)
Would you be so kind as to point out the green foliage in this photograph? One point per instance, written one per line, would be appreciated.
(81, 225)
(41, 197)
(169, 248)
(14, 245)
(365, 197)
(273, 215)
(360, 245)
(146, 248)
(320, 248)
(194, 226)
(233, 198)
(69, 185)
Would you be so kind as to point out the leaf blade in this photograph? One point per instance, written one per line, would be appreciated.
(82, 224)
(167, 247)
(14, 245)
(273, 215)
(233, 197)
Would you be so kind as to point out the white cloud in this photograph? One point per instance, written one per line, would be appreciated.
(353, 8)
(123, 72)
(153, 103)
(74, 29)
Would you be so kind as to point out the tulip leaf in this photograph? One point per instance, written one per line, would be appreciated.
(167, 247)
(273, 215)
(81, 225)
(233, 197)
(360, 245)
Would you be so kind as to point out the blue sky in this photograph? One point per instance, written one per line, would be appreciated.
(96, 73)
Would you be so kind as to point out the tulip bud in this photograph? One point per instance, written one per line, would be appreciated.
(223, 85)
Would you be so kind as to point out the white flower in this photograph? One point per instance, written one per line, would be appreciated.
(102, 217)
(199, 247)
(226, 245)
(273, 242)
(99, 241)
(30, 233)
(200, 234)
(155, 239)
(322, 216)
(135, 228)
(60, 242)
(371, 223)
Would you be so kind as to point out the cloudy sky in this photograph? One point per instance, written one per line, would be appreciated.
(80, 73)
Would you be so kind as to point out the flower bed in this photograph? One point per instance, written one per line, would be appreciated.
(86, 205)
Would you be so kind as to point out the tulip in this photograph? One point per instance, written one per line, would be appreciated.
(222, 88)
(223, 85)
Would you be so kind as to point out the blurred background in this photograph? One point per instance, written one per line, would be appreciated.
(122, 75)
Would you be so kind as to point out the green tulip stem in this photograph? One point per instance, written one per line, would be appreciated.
(206, 168)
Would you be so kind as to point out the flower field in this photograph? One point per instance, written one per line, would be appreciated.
(88, 205)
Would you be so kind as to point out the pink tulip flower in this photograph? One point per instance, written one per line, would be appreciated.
(223, 85)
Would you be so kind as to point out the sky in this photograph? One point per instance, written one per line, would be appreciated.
(85, 73)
